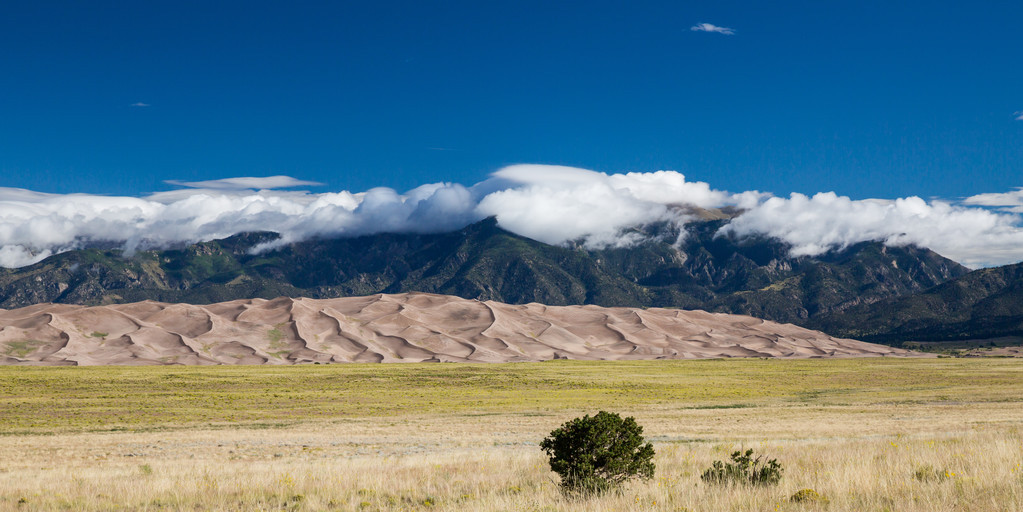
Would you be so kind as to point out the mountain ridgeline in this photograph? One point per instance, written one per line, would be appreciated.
(981, 305)
(753, 276)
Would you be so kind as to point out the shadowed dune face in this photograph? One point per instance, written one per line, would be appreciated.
(412, 327)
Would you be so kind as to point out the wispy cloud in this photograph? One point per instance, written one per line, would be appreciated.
(1019, 115)
(1005, 201)
(247, 183)
(139, 104)
(707, 27)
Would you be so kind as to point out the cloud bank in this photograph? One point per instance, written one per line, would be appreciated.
(975, 237)
(552, 204)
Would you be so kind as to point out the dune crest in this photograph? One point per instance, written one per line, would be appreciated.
(407, 327)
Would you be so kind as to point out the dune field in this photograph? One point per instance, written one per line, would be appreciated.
(413, 327)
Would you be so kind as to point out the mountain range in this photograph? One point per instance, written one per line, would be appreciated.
(868, 291)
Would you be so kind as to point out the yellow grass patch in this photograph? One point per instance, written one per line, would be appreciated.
(906, 435)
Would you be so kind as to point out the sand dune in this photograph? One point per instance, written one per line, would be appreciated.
(408, 327)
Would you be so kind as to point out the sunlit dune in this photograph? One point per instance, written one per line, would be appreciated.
(413, 327)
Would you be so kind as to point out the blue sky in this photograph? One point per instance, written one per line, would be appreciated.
(867, 99)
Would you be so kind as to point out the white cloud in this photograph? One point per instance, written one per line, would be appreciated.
(13, 256)
(549, 203)
(269, 182)
(707, 27)
(140, 104)
(1010, 201)
(553, 204)
(975, 237)
(16, 194)
(1019, 115)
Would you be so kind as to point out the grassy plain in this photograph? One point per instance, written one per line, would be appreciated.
(867, 434)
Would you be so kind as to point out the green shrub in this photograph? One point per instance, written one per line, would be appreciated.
(744, 469)
(597, 454)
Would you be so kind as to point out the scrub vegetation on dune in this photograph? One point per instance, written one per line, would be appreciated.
(879, 434)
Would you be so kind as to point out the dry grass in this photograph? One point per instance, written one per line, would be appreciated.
(862, 448)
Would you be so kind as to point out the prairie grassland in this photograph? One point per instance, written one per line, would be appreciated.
(867, 434)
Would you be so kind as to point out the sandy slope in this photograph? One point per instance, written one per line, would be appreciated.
(391, 328)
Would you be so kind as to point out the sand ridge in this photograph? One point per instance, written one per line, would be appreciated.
(407, 327)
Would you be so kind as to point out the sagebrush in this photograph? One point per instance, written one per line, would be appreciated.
(745, 469)
(599, 453)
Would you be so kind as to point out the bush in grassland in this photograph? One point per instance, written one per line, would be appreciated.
(744, 469)
(597, 454)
